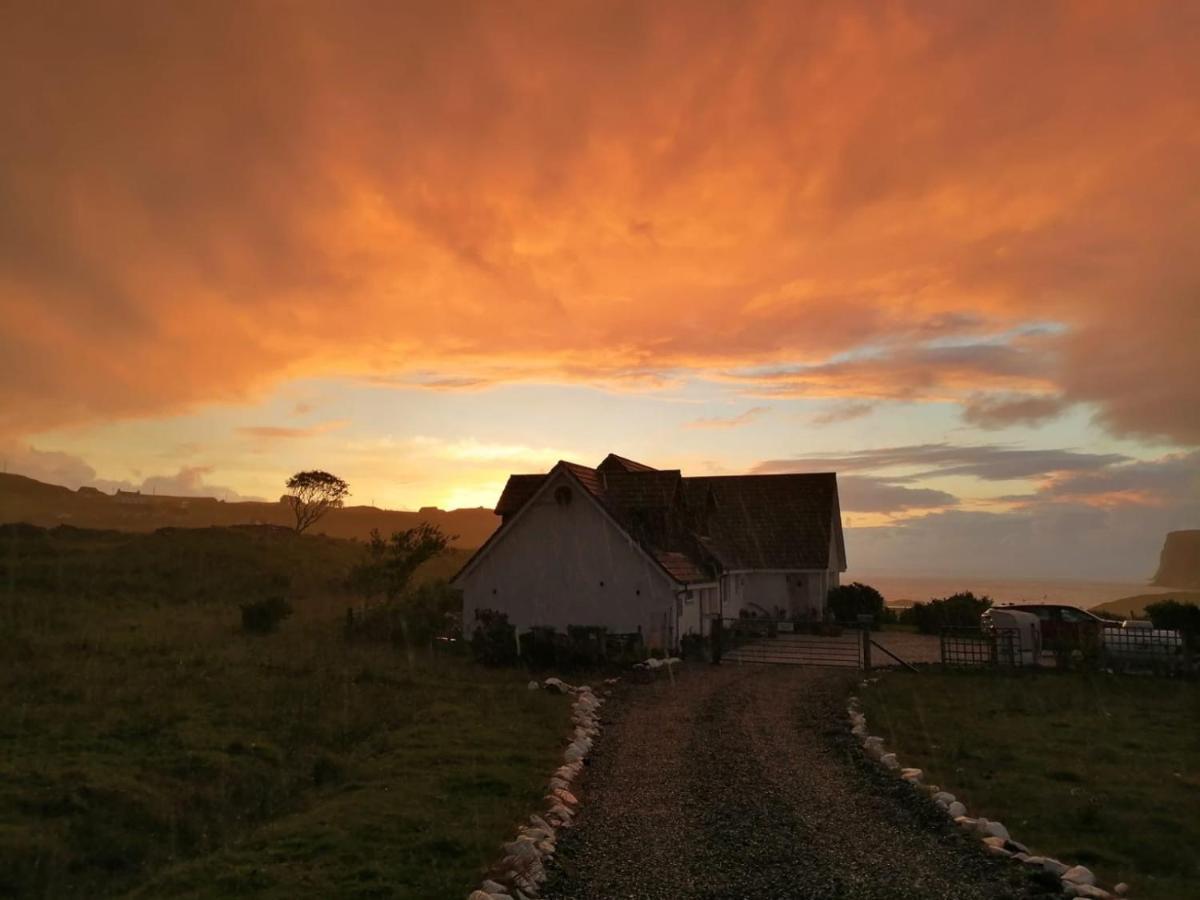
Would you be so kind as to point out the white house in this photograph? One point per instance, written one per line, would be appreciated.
(636, 549)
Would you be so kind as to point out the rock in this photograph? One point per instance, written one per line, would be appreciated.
(966, 822)
(1035, 861)
(1089, 890)
(859, 730)
(522, 850)
(672, 661)
(653, 663)
(1054, 867)
(911, 774)
(1079, 875)
(1021, 857)
(573, 752)
(566, 797)
(1015, 847)
(533, 686)
(994, 841)
(944, 797)
(493, 887)
(956, 809)
(889, 760)
(479, 895)
(997, 830)
(1121, 889)
(996, 851)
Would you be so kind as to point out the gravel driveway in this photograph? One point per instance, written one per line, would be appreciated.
(743, 782)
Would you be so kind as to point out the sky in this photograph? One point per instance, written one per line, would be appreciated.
(947, 250)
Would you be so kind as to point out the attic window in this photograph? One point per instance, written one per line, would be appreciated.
(562, 495)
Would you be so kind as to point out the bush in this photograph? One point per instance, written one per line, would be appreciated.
(494, 641)
(1172, 614)
(264, 616)
(962, 610)
(416, 617)
(694, 647)
(848, 601)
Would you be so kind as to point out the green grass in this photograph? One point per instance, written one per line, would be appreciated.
(149, 748)
(1092, 769)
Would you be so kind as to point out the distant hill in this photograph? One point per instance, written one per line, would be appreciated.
(180, 565)
(28, 500)
(1179, 563)
(1135, 607)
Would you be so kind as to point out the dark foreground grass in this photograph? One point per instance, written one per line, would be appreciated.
(1092, 769)
(149, 748)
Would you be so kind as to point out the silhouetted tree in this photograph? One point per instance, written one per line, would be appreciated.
(313, 494)
(391, 562)
(848, 601)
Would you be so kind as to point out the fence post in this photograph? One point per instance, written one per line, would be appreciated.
(866, 647)
(714, 633)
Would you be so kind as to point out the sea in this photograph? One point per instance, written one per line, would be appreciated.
(905, 590)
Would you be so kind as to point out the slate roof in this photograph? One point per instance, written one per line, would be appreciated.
(769, 521)
(697, 526)
(516, 493)
(614, 463)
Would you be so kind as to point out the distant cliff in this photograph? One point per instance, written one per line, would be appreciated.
(1179, 563)
(27, 500)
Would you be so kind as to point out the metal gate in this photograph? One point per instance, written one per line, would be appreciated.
(772, 641)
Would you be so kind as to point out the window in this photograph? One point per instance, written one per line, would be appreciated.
(562, 495)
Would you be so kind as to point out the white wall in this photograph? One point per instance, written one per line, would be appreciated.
(798, 594)
(570, 565)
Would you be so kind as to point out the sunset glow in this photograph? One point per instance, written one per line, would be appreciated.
(946, 250)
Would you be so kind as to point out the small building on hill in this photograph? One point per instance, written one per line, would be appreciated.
(637, 549)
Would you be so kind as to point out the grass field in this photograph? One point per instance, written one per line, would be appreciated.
(1092, 769)
(149, 748)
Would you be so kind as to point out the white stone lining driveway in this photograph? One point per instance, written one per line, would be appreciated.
(744, 781)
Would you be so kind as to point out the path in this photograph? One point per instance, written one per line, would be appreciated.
(743, 782)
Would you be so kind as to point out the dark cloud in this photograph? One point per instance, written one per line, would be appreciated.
(844, 412)
(1051, 540)
(862, 493)
(989, 462)
(69, 470)
(1003, 410)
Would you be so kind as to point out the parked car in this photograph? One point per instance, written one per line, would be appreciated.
(1064, 625)
(1019, 634)
(1137, 644)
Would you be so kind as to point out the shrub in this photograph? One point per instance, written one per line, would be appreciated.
(264, 616)
(848, 601)
(494, 641)
(390, 563)
(693, 646)
(962, 610)
(1172, 614)
(416, 617)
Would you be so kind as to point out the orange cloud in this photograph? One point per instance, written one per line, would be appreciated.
(271, 432)
(203, 201)
(742, 418)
